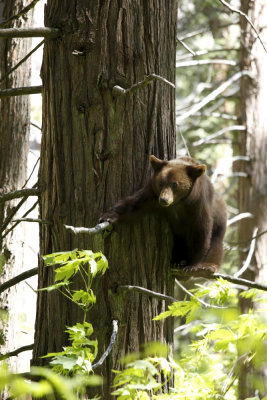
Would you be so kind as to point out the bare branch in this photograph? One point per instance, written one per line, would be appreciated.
(219, 133)
(119, 91)
(21, 91)
(16, 352)
(250, 254)
(16, 223)
(233, 9)
(22, 60)
(46, 32)
(22, 12)
(205, 30)
(194, 63)
(186, 46)
(39, 221)
(198, 299)
(111, 344)
(90, 231)
(183, 274)
(213, 95)
(19, 278)
(147, 292)
(19, 193)
(239, 217)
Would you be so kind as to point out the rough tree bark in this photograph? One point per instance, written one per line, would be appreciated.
(14, 143)
(95, 149)
(253, 143)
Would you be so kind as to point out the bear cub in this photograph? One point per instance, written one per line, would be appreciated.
(181, 191)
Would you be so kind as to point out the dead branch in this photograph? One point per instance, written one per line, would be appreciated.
(49, 33)
(22, 60)
(16, 223)
(39, 221)
(22, 12)
(235, 10)
(21, 91)
(147, 292)
(16, 352)
(205, 30)
(219, 133)
(90, 231)
(194, 63)
(239, 217)
(111, 344)
(186, 47)
(119, 91)
(19, 278)
(183, 275)
(250, 254)
(213, 95)
(19, 193)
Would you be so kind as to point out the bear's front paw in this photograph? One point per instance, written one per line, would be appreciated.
(109, 217)
(203, 267)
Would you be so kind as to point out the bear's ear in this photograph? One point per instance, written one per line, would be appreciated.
(156, 163)
(196, 170)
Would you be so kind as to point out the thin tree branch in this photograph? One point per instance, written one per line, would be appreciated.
(198, 299)
(110, 346)
(205, 30)
(16, 352)
(14, 210)
(233, 9)
(194, 63)
(46, 32)
(22, 12)
(24, 215)
(213, 95)
(35, 165)
(22, 60)
(119, 91)
(19, 278)
(19, 193)
(249, 257)
(182, 274)
(39, 221)
(186, 46)
(148, 292)
(200, 53)
(239, 217)
(219, 133)
(90, 231)
(21, 91)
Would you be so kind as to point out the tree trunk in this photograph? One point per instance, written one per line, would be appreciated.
(253, 143)
(14, 144)
(95, 150)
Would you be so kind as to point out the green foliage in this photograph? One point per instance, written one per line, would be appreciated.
(78, 357)
(45, 382)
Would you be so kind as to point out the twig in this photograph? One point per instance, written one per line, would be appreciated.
(217, 115)
(200, 53)
(35, 165)
(205, 274)
(250, 254)
(194, 63)
(13, 211)
(205, 30)
(16, 223)
(19, 193)
(90, 231)
(111, 344)
(19, 14)
(186, 46)
(148, 292)
(198, 299)
(40, 221)
(19, 278)
(219, 133)
(16, 352)
(239, 217)
(119, 91)
(46, 32)
(22, 61)
(36, 126)
(212, 96)
(21, 91)
(233, 9)
(248, 240)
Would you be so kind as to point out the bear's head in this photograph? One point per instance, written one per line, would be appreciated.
(173, 180)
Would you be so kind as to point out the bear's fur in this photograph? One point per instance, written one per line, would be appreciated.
(181, 191)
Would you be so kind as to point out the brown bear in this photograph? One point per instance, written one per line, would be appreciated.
(181, 191)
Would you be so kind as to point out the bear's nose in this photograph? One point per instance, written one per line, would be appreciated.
(163, 201)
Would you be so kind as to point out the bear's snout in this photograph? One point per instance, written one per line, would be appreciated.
(166, 197)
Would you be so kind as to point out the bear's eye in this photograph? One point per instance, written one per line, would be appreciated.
(174, 185)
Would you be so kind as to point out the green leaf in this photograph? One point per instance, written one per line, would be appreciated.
(67, 270)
